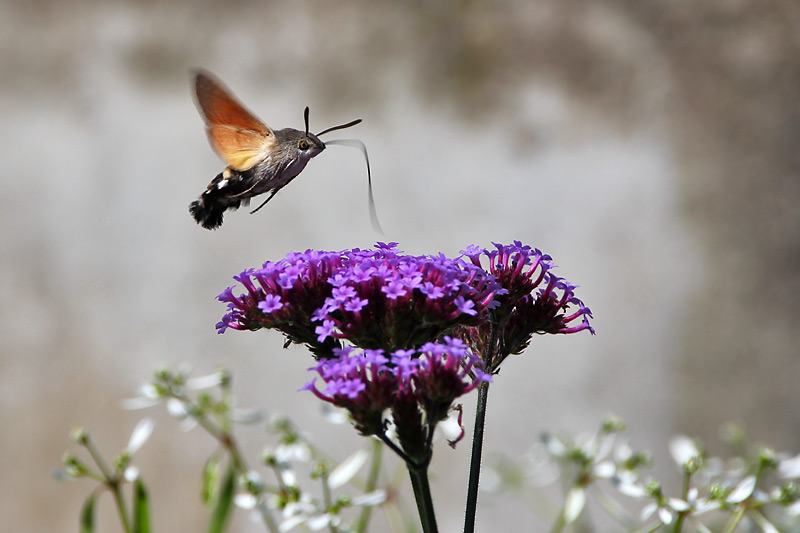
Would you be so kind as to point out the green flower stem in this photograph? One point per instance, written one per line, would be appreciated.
(560, 523)
(684, 494)
(735, 519)
(116, 490)
(327, 499)
(475, 463)
(422, 494)
(372, 482)
(112, 481)
(227, 441)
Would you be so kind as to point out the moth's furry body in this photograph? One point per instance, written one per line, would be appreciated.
(233, 188)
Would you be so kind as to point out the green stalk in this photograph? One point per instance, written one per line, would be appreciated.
(684, 494)
(422, 494)
(372, 482)
(112, 481)
(475, 462)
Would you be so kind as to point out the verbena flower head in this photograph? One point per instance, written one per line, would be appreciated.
(533, 300)
(375, 299)
(417, 387)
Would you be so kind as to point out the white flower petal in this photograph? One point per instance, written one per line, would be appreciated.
(177, 408)
(760, 497)
(683, 449)
(703, 505)
(623, 452)
(140, 402)
(794, 509)
(665, 515)
(131, 474)
(627, 485)
(253, 477)
(574, 503)
(289, 477)
(315, 523)
(742, 491)
(291, 523)
(205, 382)
(648, 510)
(789, 468)
(140, 434)
(679, 505)
(376, 497)
(553, 445)
(148, 390)
(347, 469)
(299, 451)
(604, 470)
(605, 448)
(245, 500)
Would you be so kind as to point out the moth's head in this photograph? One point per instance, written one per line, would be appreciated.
(303, 144)
(306, 144)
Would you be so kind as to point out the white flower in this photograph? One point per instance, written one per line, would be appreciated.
(348, 468)
(177, 408)
(683, 450)
(298, 451)
(665, 513)
(131, 474)
(139, 435)
(317, 522)
(628, 484)
(205, 382)
(147, 396)
(376, 497)
(574, 504)
(245, 500)
(789, 468)
(742, 491)
(554, 445)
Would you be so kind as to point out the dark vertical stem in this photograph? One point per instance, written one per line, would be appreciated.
(475, 462)
(422, 493)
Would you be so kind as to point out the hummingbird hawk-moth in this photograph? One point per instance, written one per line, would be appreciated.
(259, 159)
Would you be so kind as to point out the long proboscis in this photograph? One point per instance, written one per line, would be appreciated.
(373, 213)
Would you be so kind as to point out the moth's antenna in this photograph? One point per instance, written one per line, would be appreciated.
(305, 115)
(373, 213)
(343, 126)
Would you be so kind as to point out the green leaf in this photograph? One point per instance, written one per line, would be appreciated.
(221, 513)
(210, 480)
(141, 508)
(87, 515)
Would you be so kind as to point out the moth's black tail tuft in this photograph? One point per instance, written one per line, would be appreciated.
(210, 217)
(212, 204)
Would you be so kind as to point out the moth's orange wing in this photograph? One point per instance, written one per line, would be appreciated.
(240, 149)
(239, 138)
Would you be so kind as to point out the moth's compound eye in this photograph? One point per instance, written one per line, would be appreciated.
(303, 144)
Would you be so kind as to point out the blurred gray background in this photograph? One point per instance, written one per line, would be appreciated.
(652, 148)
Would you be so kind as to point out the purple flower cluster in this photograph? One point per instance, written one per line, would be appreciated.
(534, 301)
(417, 387)
(375, 299)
